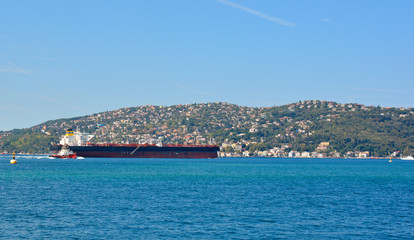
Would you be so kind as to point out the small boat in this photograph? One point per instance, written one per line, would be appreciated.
(64, 152)
(407, 158)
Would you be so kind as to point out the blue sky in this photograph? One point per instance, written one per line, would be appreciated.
(61, 59)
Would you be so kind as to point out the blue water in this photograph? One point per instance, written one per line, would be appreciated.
(255, 198)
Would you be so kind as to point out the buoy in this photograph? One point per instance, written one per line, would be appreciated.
(13, 161)
(390, 160)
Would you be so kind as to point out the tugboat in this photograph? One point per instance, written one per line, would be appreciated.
(64, 152)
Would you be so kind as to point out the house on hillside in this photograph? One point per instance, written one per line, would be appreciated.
(322, 146)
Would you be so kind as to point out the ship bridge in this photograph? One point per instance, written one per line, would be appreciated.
(75, 138)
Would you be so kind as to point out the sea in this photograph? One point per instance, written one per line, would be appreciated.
(224, 198)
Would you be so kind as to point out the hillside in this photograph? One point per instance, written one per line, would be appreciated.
(298, 127)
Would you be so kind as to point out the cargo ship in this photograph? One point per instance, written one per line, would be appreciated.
(79, 143)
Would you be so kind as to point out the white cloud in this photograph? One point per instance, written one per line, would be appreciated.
(15, 108)
(61, 102)
(192, 90)
(13, 68)
(404, 91)
(46, 98)
(43, 58)
(245, 9)
(326, 20)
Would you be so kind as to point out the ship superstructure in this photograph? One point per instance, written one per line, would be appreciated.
(77, 138)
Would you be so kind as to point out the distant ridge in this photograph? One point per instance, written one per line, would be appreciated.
(299, 127)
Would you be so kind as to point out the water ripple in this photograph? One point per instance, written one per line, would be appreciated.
(206, 199)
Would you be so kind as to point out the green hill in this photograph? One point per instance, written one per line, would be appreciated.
(297, 127)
